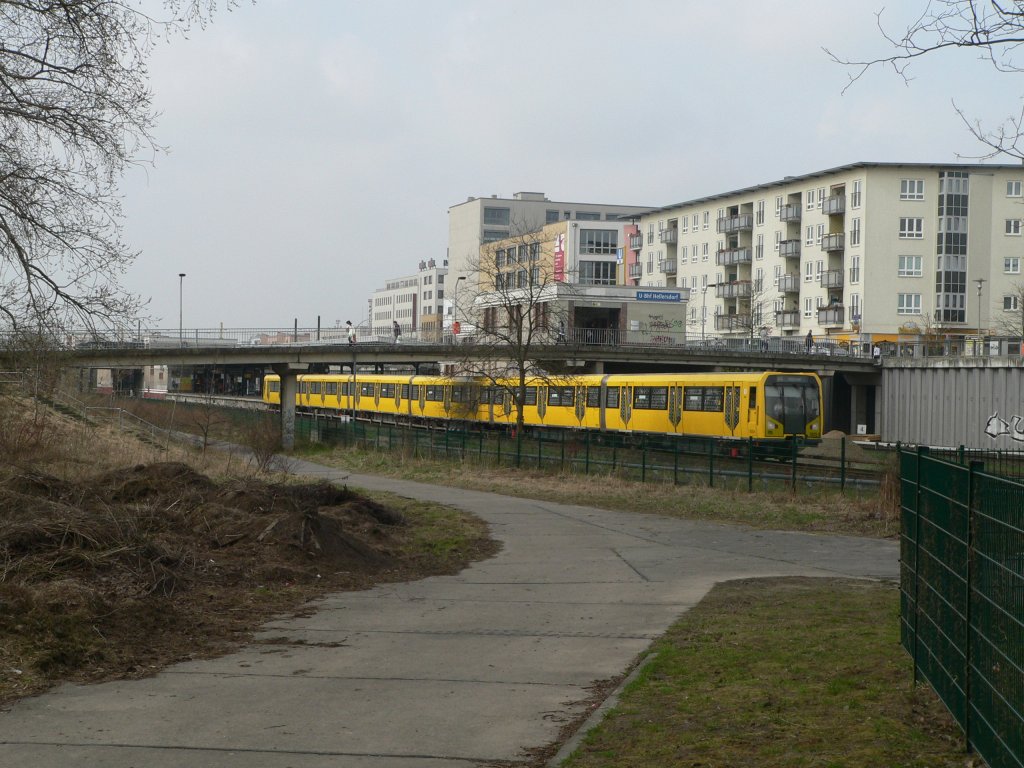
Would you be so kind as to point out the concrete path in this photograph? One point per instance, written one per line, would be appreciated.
(449, 672)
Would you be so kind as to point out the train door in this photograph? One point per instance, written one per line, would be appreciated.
(675, 407)
(626, 405)
(753, 412)
(447, 401)
(580, 404)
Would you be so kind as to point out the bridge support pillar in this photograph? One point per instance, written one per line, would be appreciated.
(289, 386)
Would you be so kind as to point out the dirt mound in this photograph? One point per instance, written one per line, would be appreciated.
(130, 569)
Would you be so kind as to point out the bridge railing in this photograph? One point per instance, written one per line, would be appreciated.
(901, 347)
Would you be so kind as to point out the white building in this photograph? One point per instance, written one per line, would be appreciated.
(482, 220)
(860, 252)
(417, 302)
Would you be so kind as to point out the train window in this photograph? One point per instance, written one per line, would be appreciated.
(531, 396)
(314, 387)
(486, 395)
(387, 390)
(275, 386)
(303, 387)
(752, 402)
(458, 395)
(435, 393)
(366, 388)
(560, 396)
(703, 398)
(332, 387)
(593, 397)
(415, 392)
(612, 399)
(650, 398)
(405, 391)
(346, 389)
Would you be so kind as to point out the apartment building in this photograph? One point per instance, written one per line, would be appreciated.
(481, 220)
(861, 252)
(416, 302)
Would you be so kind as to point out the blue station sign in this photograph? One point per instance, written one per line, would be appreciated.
(658, 296)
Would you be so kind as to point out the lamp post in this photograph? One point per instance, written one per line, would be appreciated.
(181, 283)
(703, 311)
(980, 281)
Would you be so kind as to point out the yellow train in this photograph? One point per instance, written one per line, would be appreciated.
(768, 405)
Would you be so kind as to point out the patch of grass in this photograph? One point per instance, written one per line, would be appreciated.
(821, 509)
(778, 673)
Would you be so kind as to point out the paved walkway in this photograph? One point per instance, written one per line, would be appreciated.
(454, 671)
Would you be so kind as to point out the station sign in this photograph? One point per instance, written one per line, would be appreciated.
(658, 296)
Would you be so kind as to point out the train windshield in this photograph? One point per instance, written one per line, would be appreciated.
(793, 401)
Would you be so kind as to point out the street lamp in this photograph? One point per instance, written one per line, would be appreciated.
(181, 282)
(704, 308)
(980, 281)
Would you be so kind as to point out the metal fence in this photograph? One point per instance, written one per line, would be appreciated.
(672, 459)
(962, 596)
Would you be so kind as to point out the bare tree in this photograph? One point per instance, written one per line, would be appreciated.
(993, 29)
(75, 112)
(517, 302)
(1010, 322)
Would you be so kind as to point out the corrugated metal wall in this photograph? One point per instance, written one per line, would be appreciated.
(974, 406)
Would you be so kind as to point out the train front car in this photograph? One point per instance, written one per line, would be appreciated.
(792, 406)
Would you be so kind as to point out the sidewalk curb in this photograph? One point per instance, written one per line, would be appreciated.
(598, 714)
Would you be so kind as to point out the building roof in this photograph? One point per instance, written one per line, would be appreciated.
(829, 172)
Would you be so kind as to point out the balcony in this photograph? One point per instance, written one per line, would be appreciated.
(667, 267)
(831, 315)
(732, 322)
(730, 256)
(834, 242)
(790, 214)
(738, 289)
(668, 236)
(636, 242)
(788, 318)
(789, 283)
(789, 249)
(831, 278)
(834, 206)
(731, 224)
(636, 270)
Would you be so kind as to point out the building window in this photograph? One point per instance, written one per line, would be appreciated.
(809, 199)
(588, 216)
(1013, 227)
(650, 233)
(490, 235)
(1011, 265)
(759, 247)
(809, 272)
(821, 197)
(909, 266)
(704, 252)
(855, 231)
(684, 224)
(911, 189)
(912, 229)
(808, 308)
(600, 241)
(1013, 189)
(707, 219)
(778, 206)
(819, 234)
(496, 217)
(597, 273)
(778, 239)
(759, 215)
(855, 195)
(1011, 303)
(908, 304)
(809, 235)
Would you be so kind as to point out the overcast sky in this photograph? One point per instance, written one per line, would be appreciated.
(316, 145)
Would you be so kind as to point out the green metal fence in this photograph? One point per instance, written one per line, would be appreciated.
(650, 458)
(962, 596)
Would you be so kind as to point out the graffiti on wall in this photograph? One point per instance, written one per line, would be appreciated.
(997, 427)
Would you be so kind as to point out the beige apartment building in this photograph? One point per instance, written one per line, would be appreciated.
(862, 252)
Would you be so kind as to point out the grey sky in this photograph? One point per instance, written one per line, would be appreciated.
(316, 145)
